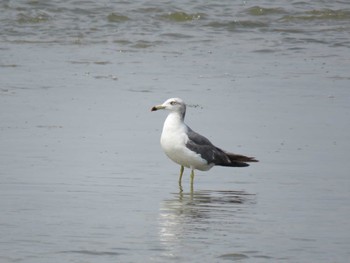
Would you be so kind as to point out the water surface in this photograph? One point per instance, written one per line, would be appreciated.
(82, 175)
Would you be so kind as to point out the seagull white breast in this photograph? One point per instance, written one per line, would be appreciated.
(173, 141)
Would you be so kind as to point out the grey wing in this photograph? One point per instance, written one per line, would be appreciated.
(197, 138)
(206, 149)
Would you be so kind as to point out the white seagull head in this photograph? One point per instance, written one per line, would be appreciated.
(173, 105)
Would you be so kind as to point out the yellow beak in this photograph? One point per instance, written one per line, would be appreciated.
(157, 107)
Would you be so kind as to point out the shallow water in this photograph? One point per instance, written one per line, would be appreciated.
(82, 175)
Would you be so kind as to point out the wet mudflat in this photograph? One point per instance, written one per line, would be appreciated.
(82, 174)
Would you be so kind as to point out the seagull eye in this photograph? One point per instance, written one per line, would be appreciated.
(173, 102)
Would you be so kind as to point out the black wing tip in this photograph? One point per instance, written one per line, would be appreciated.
(240, 158)
(239, 164)
(234, 164)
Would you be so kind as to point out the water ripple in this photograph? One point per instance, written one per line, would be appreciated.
(195, 212)
(139, 26)
(92, 252)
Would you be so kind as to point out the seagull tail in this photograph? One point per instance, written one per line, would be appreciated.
(238, 160)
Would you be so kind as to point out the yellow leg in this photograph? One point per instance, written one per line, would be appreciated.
(192, 177)
(181, 173)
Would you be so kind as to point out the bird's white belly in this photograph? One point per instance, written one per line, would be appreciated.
(174, 146)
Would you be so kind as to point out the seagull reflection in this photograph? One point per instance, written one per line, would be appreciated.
(188, 216)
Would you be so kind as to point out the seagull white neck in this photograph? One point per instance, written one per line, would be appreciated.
(173, 122)
(174, 138)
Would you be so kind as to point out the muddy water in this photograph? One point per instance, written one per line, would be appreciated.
(82, 175)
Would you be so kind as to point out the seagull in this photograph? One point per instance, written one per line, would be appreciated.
(190, 149)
